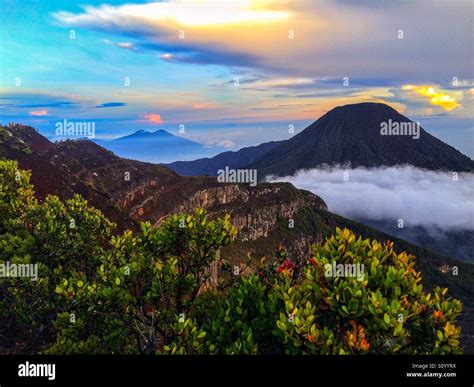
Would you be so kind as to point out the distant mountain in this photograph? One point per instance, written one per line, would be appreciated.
(160, 146)
(231, 159)
(346, 135)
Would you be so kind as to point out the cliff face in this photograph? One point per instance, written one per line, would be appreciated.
(261, 212)
(268, 204)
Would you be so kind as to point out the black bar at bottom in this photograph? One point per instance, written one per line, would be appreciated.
(222, 370)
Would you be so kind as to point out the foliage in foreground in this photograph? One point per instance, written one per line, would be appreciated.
(152, 291)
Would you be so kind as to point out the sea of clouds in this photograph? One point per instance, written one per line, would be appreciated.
(419, 197)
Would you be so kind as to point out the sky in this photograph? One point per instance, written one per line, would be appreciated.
(235, 73)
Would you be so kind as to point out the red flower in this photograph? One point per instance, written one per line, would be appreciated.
(286, 267)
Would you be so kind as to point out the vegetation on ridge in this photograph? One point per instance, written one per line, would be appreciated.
(154, 291)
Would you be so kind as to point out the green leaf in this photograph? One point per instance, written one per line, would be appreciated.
(440, 335)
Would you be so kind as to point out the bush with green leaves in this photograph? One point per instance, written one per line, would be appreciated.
(145, 286)
(240, 320)
(383, 311)
(309, 309)
(59, 237)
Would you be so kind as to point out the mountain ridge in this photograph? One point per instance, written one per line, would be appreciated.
(346, 135)
(231, 159)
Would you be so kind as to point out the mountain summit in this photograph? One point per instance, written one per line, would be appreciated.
(158, 146)
(143, 134)
(359, 135)
(354, 135)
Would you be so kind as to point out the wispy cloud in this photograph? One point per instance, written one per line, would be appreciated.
(126, 45)
(111, 104)
(38, 113)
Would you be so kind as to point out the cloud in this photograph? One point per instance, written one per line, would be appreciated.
(280, 82)
(126, 45)
(180, 12)
(419, 197)
(256, 34)
(203, 55)
(167, 56)
(222, 143)
(183, 26)
(38, 113)
(43, 100)
(153, 118)
(435, 98)
(111, 104)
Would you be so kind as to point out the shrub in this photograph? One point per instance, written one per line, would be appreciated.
(385, 311)
(62, 238)
(144, 288)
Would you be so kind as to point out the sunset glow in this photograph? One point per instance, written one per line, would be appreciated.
(436, 98)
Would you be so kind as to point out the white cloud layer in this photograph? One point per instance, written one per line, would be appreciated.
(419, 197)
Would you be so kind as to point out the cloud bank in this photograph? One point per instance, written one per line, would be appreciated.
(279, 35)
(419, 197)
